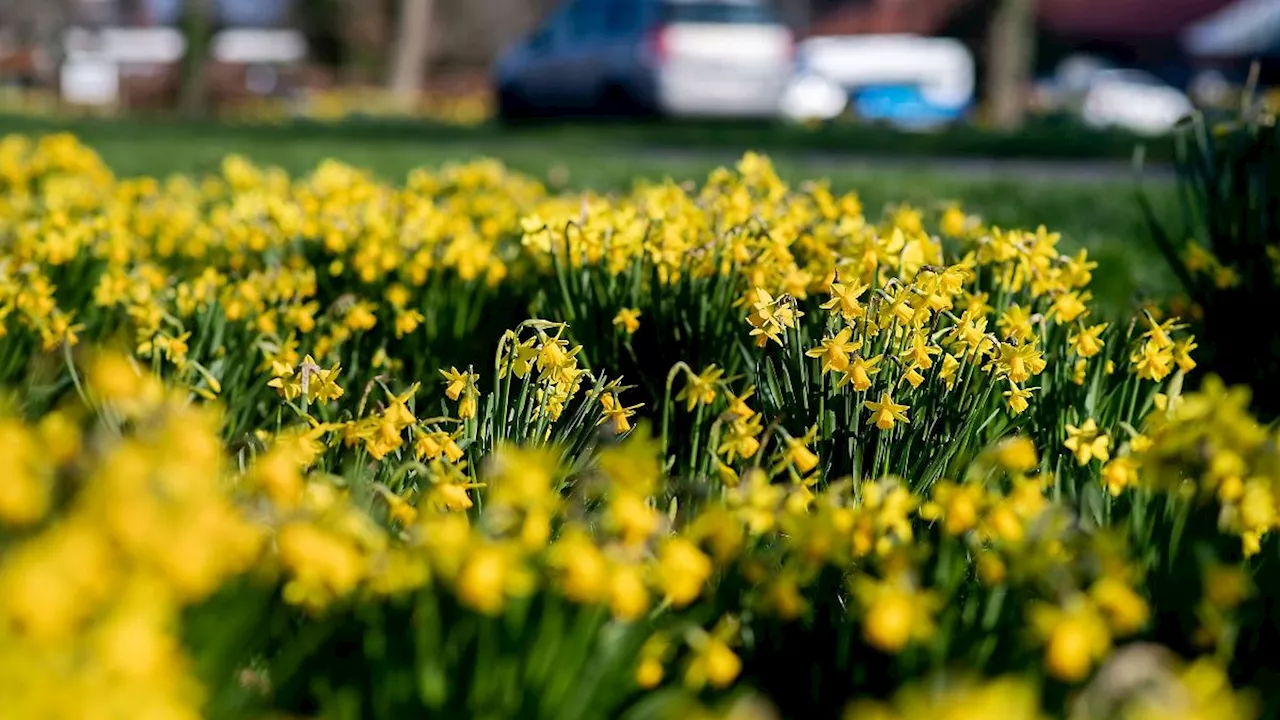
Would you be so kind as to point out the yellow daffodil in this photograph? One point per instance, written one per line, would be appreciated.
(628, 319)
(1087, 442)
(885, 412)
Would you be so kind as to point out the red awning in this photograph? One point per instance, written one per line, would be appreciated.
(885, 17)
(1124, 18)
(1095, 19)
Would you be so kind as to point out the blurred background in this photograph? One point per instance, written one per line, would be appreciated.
(1134, 65)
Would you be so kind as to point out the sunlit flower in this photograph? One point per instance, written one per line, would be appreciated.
(1087, 442)
(885, 412)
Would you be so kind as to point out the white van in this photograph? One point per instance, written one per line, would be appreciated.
(904, 80)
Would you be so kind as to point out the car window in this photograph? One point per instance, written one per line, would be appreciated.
(586, 20)
(540, 41)
(1130, 77)
(621, 18)
(726, 11)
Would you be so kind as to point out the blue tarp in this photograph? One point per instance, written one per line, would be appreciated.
(902, 105)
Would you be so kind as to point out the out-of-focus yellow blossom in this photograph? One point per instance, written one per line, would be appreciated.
(323, 565)
(957, 506)
(683, 570)
(1118, 474)
(628, 319)
(628, 595)
(1075, 638)
(650, 670)
(1202, 691)
(713, 662)
(1008, 698)
(896, 612)
(1125, 610)
(1087, 442)
(490, 575)
(1016, 454)
(25, 494)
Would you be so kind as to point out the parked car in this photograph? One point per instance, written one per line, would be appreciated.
(1134, 100)
(726, 58)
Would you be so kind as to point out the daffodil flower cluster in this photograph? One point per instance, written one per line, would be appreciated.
(331, 433)
(1210, 446)
(115, 524)
(345, 103)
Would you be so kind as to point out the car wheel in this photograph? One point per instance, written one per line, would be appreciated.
(512, 108)
(618, 102)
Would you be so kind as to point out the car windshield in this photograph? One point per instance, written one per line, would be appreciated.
(742, 12)
(1131, 77)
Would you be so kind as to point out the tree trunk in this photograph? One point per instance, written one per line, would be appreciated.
(1010, 56)
(197, 22)
(409, 58)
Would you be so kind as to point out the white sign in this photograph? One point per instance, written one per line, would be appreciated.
(90, 81)
(127, 45)
(248, 46)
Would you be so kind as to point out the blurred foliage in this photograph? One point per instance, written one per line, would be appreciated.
(1224, 249)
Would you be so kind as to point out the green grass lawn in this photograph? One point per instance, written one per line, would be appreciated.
(1044, 138)
(1102, 216)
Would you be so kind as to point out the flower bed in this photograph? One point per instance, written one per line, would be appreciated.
(327, 446)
